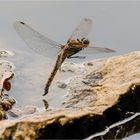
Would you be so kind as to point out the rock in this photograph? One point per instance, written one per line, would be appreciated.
(113, 78)
(103, 92)
(7, 102)
(21, 111)
(71, 67)
(5, 53)
(123, 129)
(6, 73)
(61, 84)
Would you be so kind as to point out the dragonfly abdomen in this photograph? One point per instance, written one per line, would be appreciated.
(53, 73)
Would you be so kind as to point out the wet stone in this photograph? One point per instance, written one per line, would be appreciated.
(21, 111)
(92, 78)
(61, 85)
(71, 67)
(5, 53)
(6, 73)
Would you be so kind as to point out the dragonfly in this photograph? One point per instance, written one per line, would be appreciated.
(77, 42)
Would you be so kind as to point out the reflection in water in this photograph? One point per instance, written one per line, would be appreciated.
(46, 105)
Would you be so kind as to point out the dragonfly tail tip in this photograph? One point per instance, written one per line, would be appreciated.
(46, 91)
(44, 94)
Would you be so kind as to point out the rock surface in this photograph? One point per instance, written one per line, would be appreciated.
(101, 93)
(6, 73)
(20, 111)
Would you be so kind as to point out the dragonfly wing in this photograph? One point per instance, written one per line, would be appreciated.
(36, 41)
(95, 50)
(82, 29)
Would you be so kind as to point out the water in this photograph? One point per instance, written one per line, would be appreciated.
(116, 25)
(133, 137)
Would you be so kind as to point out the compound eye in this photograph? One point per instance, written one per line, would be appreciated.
(85, 41)
(82, 39)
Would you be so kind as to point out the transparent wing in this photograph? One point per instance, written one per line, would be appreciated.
(82, 29)
(95, 50)
(36, 41)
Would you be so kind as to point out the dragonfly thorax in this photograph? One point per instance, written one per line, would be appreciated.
(82, 41)
(74, 46)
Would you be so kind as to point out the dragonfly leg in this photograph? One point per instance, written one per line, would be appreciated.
(80, 57)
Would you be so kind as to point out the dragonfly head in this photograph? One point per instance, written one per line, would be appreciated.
(85, 41)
